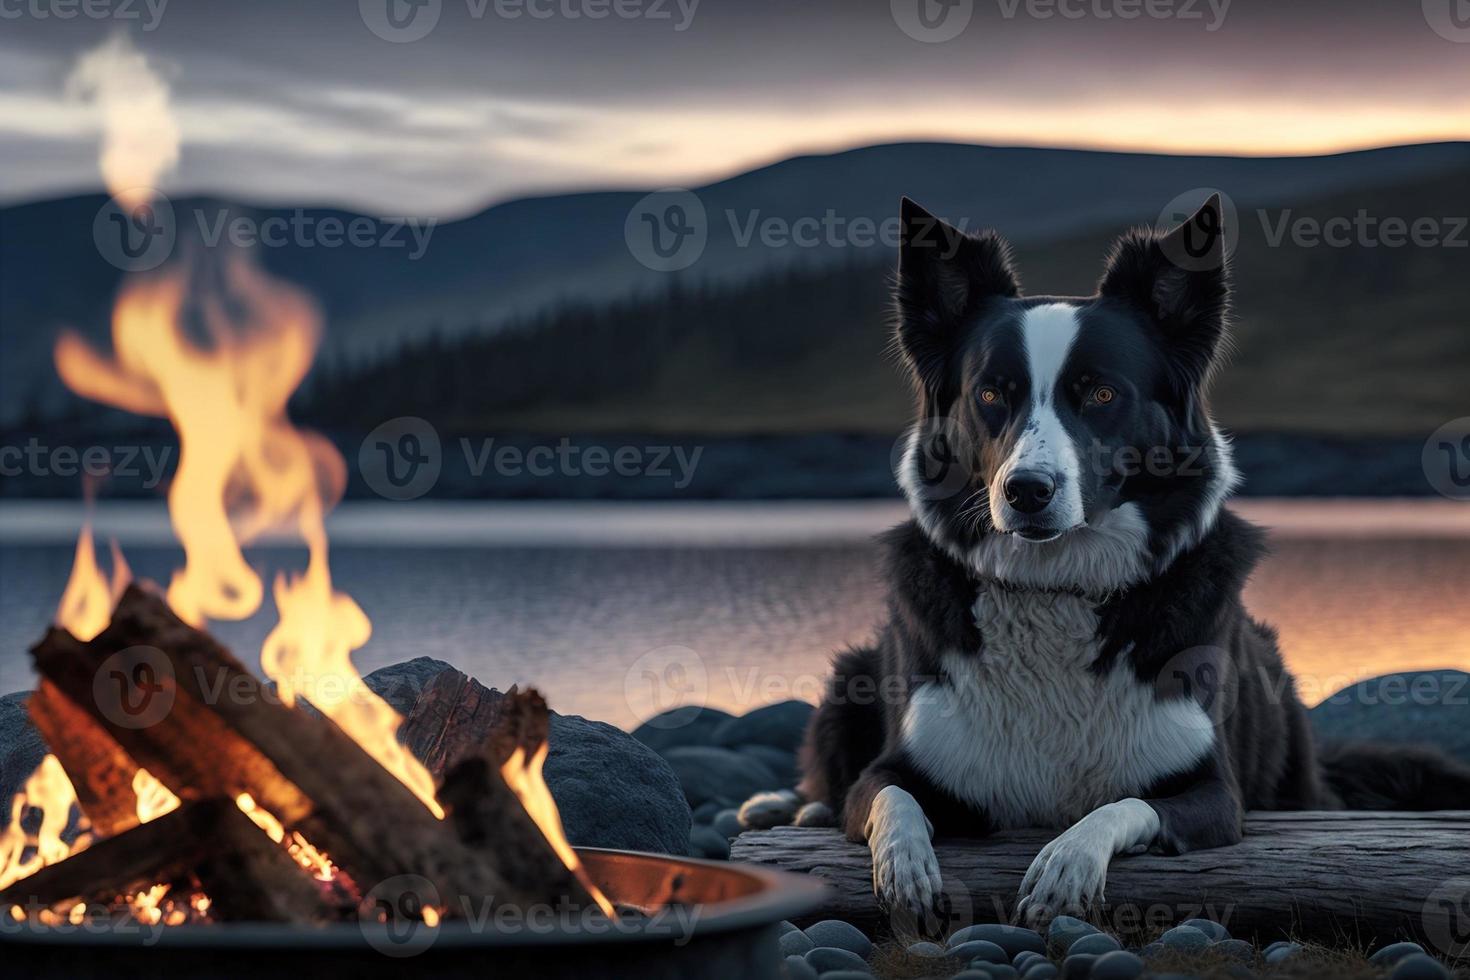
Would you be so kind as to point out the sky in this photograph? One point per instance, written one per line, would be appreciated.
(440, 107)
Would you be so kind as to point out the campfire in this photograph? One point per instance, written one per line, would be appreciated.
(181, 787)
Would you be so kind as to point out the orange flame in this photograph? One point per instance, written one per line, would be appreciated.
(86, 604)
(244, 470)
(154, 798)
(21, 854)
(525, 778)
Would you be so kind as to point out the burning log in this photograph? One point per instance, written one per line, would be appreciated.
(99, 769)
(220, 733)
(246, 875)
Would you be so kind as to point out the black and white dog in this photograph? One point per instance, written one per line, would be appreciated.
(1067, 645)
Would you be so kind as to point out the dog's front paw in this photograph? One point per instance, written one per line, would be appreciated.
(905, 871)
(1067, 878)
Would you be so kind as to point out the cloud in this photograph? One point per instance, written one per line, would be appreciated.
(140, 137)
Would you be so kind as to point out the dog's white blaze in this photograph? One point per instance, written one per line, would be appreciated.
(1047, 334)
(1028, 733)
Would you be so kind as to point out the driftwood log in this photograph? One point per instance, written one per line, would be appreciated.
(1363, 877)
(246, 875)
(205, 727)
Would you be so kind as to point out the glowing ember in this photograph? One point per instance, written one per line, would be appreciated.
(299, 847)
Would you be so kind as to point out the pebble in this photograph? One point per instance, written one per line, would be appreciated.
(705, 812)
(1097, 944)
(1184, 937)
(707, 842)
(995, 971)
(1282, 953)
(1394, 952)
(1236, 949)
(927, 950)
(825, 959)
(1419, 966)
(1012, 939)
(979, 949)
(1209, 927)
(1065, 930)
(797, 968)
(1151, 950)
(795, 944)
(1117, 965)
(1077, 966)
(786, 925)
(1275, 946)
(727, 822)
(1040, 970)
(847, 975)
(974, 973)
(840, 935)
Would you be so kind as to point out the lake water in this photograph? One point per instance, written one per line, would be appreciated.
(616, 611)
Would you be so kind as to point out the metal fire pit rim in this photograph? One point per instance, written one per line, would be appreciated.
(781, 896)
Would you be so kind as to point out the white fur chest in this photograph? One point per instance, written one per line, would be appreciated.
(1027, 733)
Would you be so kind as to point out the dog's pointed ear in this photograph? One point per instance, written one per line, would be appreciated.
(943, 276)
(1181, 280)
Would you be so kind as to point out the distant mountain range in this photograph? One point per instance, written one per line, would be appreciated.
(524, 256)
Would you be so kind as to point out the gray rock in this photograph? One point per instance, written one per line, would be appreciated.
(707, 842)
(1117, 965)
(401, 684)
(1023, 960)
(21, 749)
(1209, 927)
(796, 944)
(1237, 949)
(1282, 953)
(1077, 966)
(1419, 966)
(977, 973)
(1394, 952)
(779, 761)
(780, 725)
(1275, 946)
(1065, 930)
(1040, 970)
(727, 822)
(786, 925)
(707, 773)
(846, 975)
(995, 971)
(1097, 944)
(1012, 939)
(1151, 950)
(705, 812)
(679, 727)
(797, 968)
(979, 949)
(840, 935)
(1431, 706)
(1184, 937)
(825, 959)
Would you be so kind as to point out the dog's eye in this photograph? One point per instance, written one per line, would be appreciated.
(990, 396)
(1103, 395)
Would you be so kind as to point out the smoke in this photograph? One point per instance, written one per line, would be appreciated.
(140, 138)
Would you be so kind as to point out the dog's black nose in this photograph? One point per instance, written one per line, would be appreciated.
(1029, 491)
